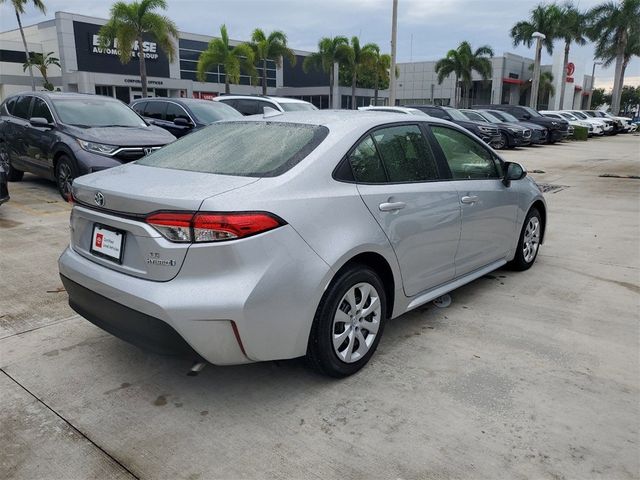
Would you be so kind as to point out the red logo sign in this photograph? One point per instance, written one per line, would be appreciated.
(571, 68)
(99, 237)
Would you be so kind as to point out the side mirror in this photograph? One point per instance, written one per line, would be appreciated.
(182, 122)
(40, 122)
(514, 171)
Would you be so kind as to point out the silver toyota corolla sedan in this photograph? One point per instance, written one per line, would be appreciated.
(276, 237)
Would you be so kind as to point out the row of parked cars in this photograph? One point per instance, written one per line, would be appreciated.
(510, 126)
(62, 136)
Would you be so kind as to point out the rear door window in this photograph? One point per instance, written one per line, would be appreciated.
(21, 108)
(251, 149)
(249, 107)
(467, 159)
(366, 164)
(8, 105)
(405, 154)
(155, 110)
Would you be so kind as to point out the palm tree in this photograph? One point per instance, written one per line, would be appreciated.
(129, 23)
(546, 85)
(233, 59)
(42, 62)
(358, 58)
(273, 47)
(542, 19)
(571, 27)
(330, 51)
(462, 62)
(18, 8)
(612, 25)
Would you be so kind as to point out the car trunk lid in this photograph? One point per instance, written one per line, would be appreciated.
(108, 223)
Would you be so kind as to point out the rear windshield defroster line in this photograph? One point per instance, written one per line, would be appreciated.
(249, 149)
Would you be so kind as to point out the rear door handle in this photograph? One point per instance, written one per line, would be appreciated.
(469, 199)
(391, 206)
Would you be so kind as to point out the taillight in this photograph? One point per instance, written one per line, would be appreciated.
(210, 226)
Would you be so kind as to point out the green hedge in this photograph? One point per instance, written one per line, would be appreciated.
(580, 133)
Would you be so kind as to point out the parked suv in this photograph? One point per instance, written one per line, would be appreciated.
(557, 129)
(538, 132)
(180, 116)
(511, 134)
(61, 136)
(254, 104)
(487, 132)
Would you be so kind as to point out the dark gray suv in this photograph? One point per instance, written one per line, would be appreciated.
(61, 136)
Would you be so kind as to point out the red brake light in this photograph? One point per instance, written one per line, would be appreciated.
(212, 227)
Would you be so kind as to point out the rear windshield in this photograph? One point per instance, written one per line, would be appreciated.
(297, 107)
(250, 149)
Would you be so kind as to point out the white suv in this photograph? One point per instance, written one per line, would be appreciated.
(254, 104)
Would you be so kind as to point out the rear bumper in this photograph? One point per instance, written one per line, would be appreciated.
(126, 323)
(248, 300)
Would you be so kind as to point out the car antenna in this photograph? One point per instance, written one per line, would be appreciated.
(271, 112)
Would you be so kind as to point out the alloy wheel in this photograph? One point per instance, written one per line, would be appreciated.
(356, 322)
(531, 240)
(65, 179)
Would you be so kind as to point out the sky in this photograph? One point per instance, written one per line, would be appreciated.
(427, 29)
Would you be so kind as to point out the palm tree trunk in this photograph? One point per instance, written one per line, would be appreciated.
(563, 79)
(375, 91)
(617, 89)
(455, 93)
(26, 52)
(227, 89)
(143, 68)
(331, 80)
(353, 89)
(264, 76)
(621, 82)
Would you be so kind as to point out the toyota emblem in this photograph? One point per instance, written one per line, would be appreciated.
(99, 199)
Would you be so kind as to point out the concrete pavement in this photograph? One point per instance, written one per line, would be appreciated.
(525, 375)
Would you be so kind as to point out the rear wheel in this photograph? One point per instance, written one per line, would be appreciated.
(13, 175)
(65, 174)
(348, 323)
(529, 242)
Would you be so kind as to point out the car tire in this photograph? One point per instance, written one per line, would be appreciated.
(529, 242)
(340, 341)
(13, 174)
(503, 142)
(66, 172)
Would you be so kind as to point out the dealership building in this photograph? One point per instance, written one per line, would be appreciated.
(87, 68)
(510, 83)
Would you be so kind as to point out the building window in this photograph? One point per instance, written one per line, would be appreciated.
(106, 90)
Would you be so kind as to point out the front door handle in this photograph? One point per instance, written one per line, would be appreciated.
(391, 206)
(469, 199)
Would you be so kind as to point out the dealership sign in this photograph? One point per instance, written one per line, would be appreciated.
(92, 57)
(149, 49)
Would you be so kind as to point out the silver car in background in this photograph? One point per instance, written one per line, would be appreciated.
(295, 234)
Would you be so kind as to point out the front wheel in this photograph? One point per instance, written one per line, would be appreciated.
(348, 323)
(65, 174)
(502, 143)
(529, 242)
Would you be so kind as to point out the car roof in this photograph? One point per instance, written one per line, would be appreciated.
(179, 100)
(52, 95)
(261, 97)
(374, 108)
(342, 119)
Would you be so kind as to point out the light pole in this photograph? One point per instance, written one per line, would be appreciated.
(593, 83)
(392, 70)
(535, 84)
